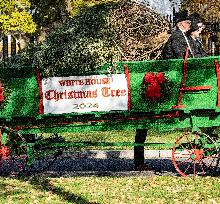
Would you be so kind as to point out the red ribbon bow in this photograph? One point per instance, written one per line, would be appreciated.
(154, 81)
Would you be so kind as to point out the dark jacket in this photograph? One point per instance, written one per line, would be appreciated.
(175, 46)
(197, 47)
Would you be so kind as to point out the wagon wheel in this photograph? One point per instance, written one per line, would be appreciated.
(44, 155)
(195, 154)
(13, 152)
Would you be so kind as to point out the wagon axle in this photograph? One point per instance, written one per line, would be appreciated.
(197, 154)
(4, 152)
(192, 153)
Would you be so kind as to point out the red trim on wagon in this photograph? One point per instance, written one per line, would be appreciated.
(127, 74)
(183, 81)
(40, 92)
(1, 92)
(183, 88)
(218, 81)
(196, 88)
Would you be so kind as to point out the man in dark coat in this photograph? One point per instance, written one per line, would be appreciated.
(177, 43)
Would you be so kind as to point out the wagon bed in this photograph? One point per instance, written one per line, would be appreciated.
(164, 95)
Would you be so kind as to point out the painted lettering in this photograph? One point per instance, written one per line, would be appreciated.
(48, 95)
(106, 92)
(53, 94)
(62, 82)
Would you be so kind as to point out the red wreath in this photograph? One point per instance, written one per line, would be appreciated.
(153, 84)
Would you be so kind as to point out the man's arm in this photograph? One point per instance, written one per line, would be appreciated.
(175, 46)
(179, 46)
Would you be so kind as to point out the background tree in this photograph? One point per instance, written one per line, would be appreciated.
(46, 13)
(52, 14)
(206, 8)
(75, 5)
(210, 11)
(15, 19)
(97, 35)
(104, 33)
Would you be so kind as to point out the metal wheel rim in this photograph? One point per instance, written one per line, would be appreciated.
(198, 161)
(10, 163)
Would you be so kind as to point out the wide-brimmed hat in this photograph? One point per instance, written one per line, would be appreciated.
(195, 18)
(196, 22)
(181, 16)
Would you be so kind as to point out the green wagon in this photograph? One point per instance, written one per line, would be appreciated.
(164, 95)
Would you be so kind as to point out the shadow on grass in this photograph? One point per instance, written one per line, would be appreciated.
(44, 184)
(41, 183)
(70, 166)
(116, 167)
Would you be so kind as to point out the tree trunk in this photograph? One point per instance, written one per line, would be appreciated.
(5, 46)
(13, 46)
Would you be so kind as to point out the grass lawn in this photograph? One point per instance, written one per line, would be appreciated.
(120, 136)
(110, 190)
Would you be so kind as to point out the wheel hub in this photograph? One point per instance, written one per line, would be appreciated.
(4, 152)
(197, 154)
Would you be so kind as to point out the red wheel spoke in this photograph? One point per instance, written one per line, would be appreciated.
(207, 165)
(0, 136)
(203, 163)
(15, 155)
(194, 156)
(194, 168)
(189, 142)
(200, 163)
(202, 146)
(25, 156)
(197, 140)
(185, 148)
(186, 169)
(179, 157)
(19, 165)
(209, 149)
(8, 165)
(178, 163)
(209, 157)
